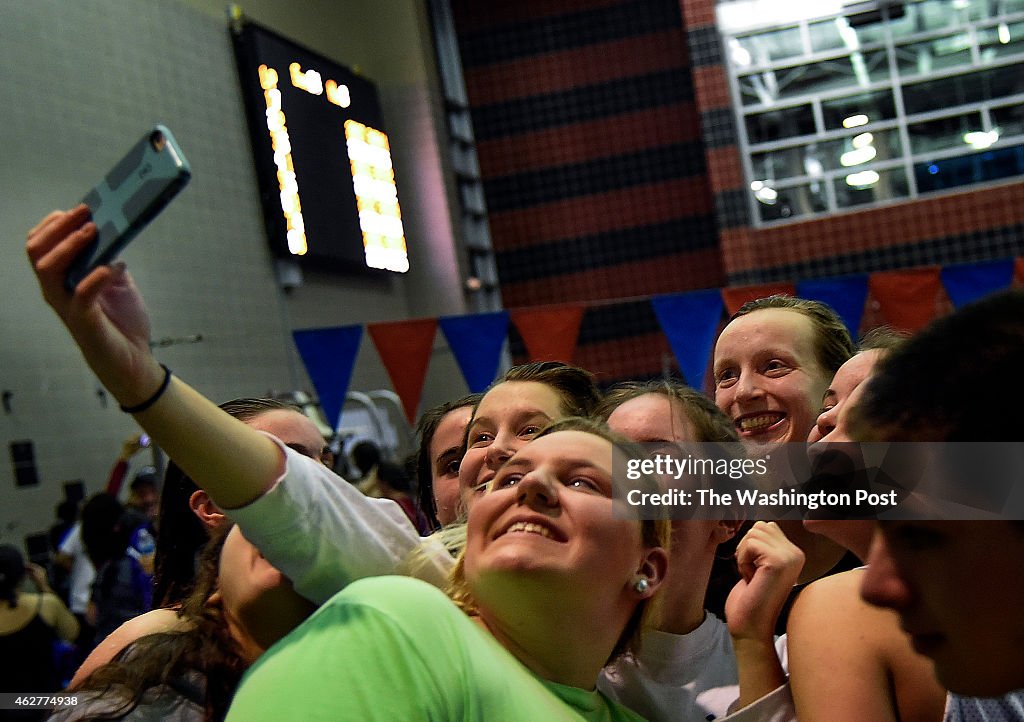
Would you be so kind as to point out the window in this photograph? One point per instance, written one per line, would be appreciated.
(839, 110)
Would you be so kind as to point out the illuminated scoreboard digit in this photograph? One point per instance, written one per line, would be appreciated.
(322, 157)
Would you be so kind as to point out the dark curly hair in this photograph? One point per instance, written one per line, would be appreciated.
(168, 658)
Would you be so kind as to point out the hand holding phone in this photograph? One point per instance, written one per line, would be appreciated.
(132, 194)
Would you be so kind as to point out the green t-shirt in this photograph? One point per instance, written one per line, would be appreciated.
(396, 648)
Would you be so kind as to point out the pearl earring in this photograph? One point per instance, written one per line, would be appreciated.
(641, 585)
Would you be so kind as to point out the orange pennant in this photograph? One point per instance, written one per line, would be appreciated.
(405, 348)
(907, 299)
(550, 334)
(736, 297)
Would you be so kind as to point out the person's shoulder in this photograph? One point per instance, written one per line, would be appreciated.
(841, 588)
(832, 601)
(155, 621)
(399, 604)
(49, 601)
(394, 593)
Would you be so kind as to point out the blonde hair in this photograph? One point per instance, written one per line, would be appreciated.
(654, 533)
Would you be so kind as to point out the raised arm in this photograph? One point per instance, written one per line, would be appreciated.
(108, 320)
(769, 565)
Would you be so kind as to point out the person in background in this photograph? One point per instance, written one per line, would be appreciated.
(123, 588)
(66, 514)
(365, 457)
(239, 607)
(144, 496)
(691, 665)
(957, 586)
(129, 448)
(441, 432)
(189, 516)
(849, 660)
(87, 545)
(59, 572)
(30, 624)
(773, 362)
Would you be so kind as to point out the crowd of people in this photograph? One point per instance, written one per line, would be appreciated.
(517, 588)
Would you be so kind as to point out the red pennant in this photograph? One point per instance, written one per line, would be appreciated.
(907, 299)
(550, 334)
(736, 297)
(405, 348)
(1018, 271)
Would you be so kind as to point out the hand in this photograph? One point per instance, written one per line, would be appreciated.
(769, 565)
(105, 315)
(38, 576)
(131, 447)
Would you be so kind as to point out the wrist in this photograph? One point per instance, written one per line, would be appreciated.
(754, 644)
(157, 387)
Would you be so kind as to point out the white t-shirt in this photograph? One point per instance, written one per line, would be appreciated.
(83, 573)
(323, 533)
(683, 677)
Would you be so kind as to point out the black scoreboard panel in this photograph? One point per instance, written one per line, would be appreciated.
(323, 159)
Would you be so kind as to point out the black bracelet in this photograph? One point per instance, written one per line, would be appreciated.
(139, 408)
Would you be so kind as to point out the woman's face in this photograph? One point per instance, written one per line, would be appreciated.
(507, 418)
(767, 378)
(547, 517)
(257, 597)
(658, 419)
(295, 431)
(445, 458)
(831, 425)
(652, 419)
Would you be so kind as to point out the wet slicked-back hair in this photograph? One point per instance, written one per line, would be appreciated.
(710, 422)
(575, 386)
(930, 388)
(881, 338)
(832, 343)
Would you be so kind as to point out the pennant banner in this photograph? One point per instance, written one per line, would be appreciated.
(405, 348)
(971, 281)
(690, 321)
(476, 341)
(846, 296)
(550, 334)
(906, 299)
(329, 355)
(736, 297)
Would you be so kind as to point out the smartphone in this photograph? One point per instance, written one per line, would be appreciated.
(133, 193)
